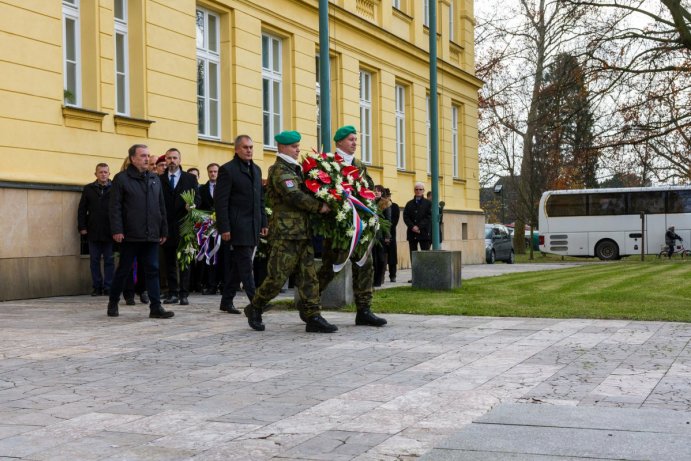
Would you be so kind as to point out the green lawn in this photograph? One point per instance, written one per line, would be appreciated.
(656, 289)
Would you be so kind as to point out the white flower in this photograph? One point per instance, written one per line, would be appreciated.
(269, 211)
(365, 238)
(372, 221)
(314, 173)
(364, 225)
(339, 188)
(350, 232)
(341, 215)
(322, 193)
(326, 166)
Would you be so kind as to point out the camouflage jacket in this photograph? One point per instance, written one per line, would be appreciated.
(291, 205)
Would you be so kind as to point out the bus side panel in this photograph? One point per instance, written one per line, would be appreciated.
(618, 237)
(566, 244)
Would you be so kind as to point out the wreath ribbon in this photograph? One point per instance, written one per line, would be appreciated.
(355, 205)
(209, 243)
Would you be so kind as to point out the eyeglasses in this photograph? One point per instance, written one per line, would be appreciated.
(419, 189)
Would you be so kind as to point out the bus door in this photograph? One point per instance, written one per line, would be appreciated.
(655, 228)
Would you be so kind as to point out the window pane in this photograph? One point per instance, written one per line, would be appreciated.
(119, 7)
(276, 97)
(213, 33)
(200, 114)
(121, 91)
(650, 202)
(267, 130)
(566, 205)
(679, 201)
(606, 204)
(265, 95)
(71, 80)
(213, 80)
(119, 53)
(200, 29)
(276, 50)
(200, 78)
(70, 39)
(213, 118)
(265, 52)
(277, 125)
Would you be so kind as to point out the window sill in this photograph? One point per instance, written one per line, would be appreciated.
(213, 142)
(132, 126)
(402, 14)
(459, 181)
(86, 119)
(406, 172)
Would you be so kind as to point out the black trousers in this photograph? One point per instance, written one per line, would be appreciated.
(424, 245)
(392, 258)
(379, 261)
(238, 269)
(181, 289)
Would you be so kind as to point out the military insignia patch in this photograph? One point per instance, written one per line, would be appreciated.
(290, 183)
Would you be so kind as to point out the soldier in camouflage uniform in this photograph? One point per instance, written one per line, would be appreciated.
(363, 277)
(290, 237)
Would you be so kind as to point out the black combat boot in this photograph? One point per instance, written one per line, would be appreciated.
(318, 324)
(113, 309)
(254, 317)
(158, 312)
(366, 317)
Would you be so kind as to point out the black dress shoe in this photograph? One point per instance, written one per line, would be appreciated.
(223, 308)
(232, 310)
(113, 309)
(171, 300)
(209, 291)
(130, 301)
(392, 279)
(96, 292)
(184, 301)
(254, 317)
(160, 313)
(144, 297)
(318, 324)
(106, 292)
(366, 317)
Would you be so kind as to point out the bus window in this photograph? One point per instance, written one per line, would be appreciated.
(679, 201)
(566, 205)
(649, 202)
(606, 204)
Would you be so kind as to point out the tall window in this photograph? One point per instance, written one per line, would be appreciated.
(366, 116)
(122, 93)
(272, 79)
(208, 74)
(425, 12)
(400, 127)
(319, 103)
(452, 12)
(454, 140)
(71, 52)
(428, 125)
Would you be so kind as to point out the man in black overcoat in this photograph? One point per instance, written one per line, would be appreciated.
(173, 183)
(240, 219)
(417, 216)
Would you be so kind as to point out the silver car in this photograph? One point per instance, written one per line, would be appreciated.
(498, 244)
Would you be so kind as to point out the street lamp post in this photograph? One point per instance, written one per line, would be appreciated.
(499, 189)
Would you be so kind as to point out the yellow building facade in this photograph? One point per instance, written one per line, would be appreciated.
(82, 80)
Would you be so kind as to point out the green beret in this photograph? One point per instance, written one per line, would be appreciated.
(288, 137)
(344, 132)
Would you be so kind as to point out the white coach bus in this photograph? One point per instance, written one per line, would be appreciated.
(607, 222)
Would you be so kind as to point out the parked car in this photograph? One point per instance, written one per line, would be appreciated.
(498, 244)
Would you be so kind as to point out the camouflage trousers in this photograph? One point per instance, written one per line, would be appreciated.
(363, 277)
(286, 257)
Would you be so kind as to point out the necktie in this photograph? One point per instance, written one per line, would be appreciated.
(211, 190)
(172, 181)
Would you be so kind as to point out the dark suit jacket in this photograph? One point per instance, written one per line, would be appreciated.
(175, 205)
(92, 214)
(420, 215)
(240, 202)
(207, 201)
(395, 216)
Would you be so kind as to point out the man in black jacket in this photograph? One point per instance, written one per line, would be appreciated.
(173, 183)
(417, 216)
(240, 219)
(138, 223)
(93, 222)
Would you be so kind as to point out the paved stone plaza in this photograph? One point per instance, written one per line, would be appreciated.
(77, 385)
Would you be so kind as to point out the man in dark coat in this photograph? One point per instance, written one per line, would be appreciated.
(212, 274)
(138, 223)
(392, 248)
(417, 216)
(173, 183)
(93, 222)
(240, 219)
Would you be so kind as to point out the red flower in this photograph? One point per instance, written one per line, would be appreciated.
(347, 187)
(312, 185)
(334, 193)
(324, 156)
(324, 177)
(338, 158)
(367, 194)
(351, 171)
(309, 164)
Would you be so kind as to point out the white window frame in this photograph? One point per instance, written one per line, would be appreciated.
(396, 4)
(452, 22)
(366, 116)
(425, 12)
(121, 29)
(70, 12)
(209, 56)
(454, 140)
(400, 101)
(272, 79)
(428, 125)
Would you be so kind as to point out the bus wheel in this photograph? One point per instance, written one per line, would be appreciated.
(607, 250)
